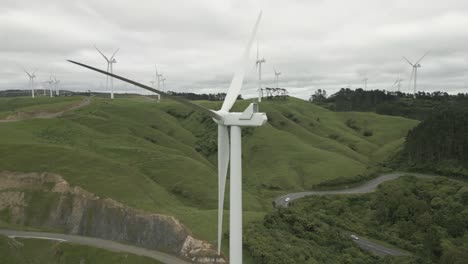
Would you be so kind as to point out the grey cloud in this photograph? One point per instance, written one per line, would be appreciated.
(196, 44)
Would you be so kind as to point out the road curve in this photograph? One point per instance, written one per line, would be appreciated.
(95, 242)
(367, 187)
(378, 249)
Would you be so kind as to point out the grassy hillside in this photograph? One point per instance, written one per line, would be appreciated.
(162, 157)
(25, 251)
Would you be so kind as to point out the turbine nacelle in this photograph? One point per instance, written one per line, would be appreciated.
(250, 117)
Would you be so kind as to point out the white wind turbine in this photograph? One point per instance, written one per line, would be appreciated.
(158, 77)
(152, 85)
(163, 79)
(229, 146)
(31, 81)
(49, 84)
(397, 83)
(365, 83)
(56, 86)
(414, 72)
(109, 69)
(258, 63)
(277, 74)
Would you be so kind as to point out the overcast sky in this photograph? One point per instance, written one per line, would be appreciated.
(196, 44)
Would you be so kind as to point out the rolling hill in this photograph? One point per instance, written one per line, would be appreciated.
(162, 157)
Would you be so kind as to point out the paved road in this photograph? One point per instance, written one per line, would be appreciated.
(95, 242)
(377, 249)
(367, 187)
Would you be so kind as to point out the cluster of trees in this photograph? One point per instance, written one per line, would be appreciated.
(208, 97)
(385, 102)
(271, 93)
(440, 142)
(427, 217)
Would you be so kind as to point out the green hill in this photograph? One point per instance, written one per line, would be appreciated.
(162, 157)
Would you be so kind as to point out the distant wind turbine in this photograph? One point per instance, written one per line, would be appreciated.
(258, 63)
(49, 83)
(397, 83)
(31, 81)
(158, 77)
(162, 82)
(277, 74)
(414, 73)
(365, 83)
(109, 69)
(56, 86)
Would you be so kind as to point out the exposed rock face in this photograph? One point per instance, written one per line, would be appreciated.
(76, 211)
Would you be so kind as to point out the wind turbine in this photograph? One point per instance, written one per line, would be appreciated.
(152, 85)
(56, 86)
(398, 82)
(258, 63)
(277, 74)
(414, 73)
(229, 145)
(31, 81)
(162, 81)
(109, 68)
(158, 77)
(365, 83)
(49, 83)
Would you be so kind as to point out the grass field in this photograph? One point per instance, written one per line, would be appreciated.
(26, 251)
(162, 157)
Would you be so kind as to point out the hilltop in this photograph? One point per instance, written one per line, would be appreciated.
(161, 157)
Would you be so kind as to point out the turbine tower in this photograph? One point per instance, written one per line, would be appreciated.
(258, 63)
(31, 81)
(398, 83)
(49, 84)
(56, 86)
(365, 83)
(229, 146)
(277, 74)
(162, 82)
(110, 62)
(414, 72)
(158, 77)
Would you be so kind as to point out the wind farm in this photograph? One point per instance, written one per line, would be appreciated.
(191, 151)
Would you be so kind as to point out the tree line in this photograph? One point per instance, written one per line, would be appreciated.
(408, 105)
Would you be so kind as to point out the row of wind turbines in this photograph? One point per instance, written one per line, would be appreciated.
(413, 75)
(53, 84)
(159, 77)
(258, 64)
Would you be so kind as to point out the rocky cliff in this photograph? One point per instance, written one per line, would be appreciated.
(48, 201)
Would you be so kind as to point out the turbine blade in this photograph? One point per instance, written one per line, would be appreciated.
(236, 83)
(175, 98)
(395, 83)
(223, 163)
(102, 54)
(113, 55)
(408, 61)
(422, 57)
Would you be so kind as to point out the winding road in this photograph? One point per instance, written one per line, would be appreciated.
(367, 187)
(95, 242)
(370, 186)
